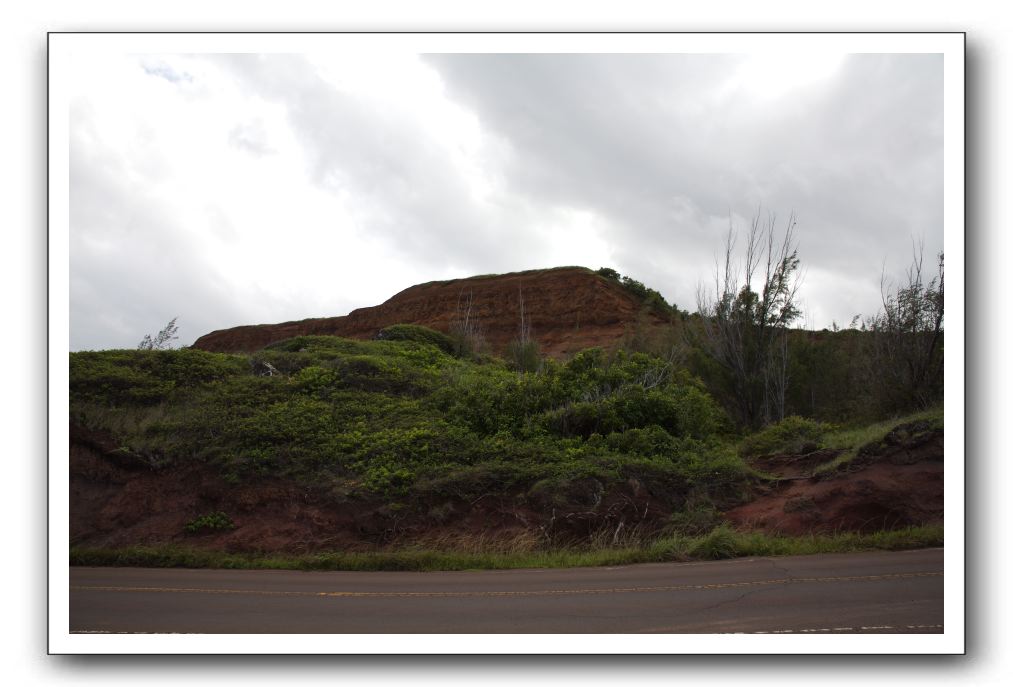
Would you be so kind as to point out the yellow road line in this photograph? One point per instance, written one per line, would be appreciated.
(541, 592)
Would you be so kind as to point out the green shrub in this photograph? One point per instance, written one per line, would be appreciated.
(646, 442)
(391, 483)
(314, 343)
(648, 296)
(524, 356)
(793, 434)
(720, 543)
(209, 522)
(418, 333)
(144, 377)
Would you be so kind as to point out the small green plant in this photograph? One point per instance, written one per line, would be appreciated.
(210, 522)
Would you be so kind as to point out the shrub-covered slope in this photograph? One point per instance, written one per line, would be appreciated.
(317, 441)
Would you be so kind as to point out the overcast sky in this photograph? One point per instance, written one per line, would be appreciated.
(243, 189)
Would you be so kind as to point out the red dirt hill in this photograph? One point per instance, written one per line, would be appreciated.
(568, 308)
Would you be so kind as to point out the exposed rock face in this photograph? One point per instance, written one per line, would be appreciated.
(568, 309)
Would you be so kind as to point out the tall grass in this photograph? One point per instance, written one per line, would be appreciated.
(719, 543)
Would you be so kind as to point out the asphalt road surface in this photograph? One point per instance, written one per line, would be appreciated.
(887, 592)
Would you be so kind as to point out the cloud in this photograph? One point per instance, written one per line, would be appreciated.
(234, 189)
(666, 148)
(251, 137)
(133, 266)
(156, 67)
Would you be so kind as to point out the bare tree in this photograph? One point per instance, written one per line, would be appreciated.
(906, 361)
(524, 335)
(465, 330)
(745, 321)
(524, 351)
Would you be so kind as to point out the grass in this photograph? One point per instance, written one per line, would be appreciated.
(721, 542)
(850, 441)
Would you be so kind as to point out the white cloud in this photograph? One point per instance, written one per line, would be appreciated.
(235, 189)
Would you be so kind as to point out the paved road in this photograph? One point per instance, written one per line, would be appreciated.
(868, 592)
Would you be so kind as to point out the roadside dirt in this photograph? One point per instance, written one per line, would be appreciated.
(894, 484)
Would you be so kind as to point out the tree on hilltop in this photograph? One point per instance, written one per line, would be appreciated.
(160, 341)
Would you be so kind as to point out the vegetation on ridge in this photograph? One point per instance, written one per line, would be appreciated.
(630, 455)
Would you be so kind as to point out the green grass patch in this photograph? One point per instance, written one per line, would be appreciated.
(851, 441)
(720, 543)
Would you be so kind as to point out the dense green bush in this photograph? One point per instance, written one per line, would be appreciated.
(418, 333)
(793, 434)
(646, 295)
(148, 376)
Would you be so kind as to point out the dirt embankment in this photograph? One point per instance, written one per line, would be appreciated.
(120, 499)
(568, 309)
(890, 484)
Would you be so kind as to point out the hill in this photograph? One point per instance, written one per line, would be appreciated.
(567, 309)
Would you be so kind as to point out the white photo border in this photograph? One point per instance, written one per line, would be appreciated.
(64, 46)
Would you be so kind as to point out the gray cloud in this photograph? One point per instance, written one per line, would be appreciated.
(384, 159)
(409, 191)
(653, 143)
(660, 152)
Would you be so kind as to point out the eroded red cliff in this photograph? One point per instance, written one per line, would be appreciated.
(568, 309)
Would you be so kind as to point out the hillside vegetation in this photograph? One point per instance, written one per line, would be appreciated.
(399, 443)
(601, 441)
(704, 435)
